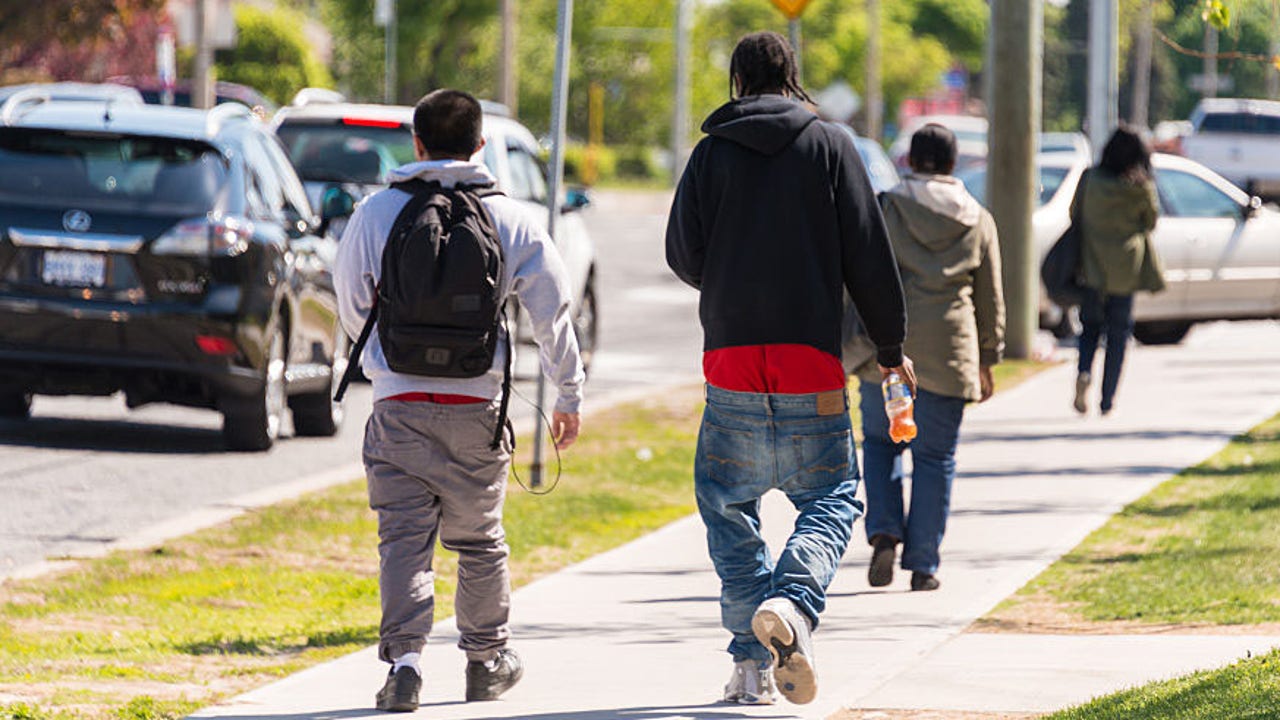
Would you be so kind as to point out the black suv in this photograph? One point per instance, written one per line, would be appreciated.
(167, 253)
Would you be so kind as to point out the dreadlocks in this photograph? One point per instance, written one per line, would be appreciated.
(764, 62)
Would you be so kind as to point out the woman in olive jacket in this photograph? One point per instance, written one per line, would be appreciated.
(949, 258)
(1117, 209)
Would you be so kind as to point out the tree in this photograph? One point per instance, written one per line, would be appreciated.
(78, 39)
(271, 54)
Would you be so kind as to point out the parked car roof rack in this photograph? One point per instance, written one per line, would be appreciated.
(222, 113)
(9, 111)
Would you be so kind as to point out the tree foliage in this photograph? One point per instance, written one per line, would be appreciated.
(627, 46)
(77, 39)
(271, 54)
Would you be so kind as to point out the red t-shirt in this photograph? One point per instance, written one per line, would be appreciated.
(777, 368)
(437, 398)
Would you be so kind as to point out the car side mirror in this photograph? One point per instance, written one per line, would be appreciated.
(575, 199)
(1254, 206)
(335, 203)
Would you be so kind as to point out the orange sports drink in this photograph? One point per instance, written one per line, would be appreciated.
(898, 406)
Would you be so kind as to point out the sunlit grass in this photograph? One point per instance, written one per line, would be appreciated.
(1247, 689)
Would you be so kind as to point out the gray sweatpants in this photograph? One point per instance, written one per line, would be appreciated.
(431, 472)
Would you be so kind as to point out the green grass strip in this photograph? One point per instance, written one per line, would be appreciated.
(1247, 689)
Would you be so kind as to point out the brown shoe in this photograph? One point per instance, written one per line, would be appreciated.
(924, 581)
(883, 555)
(1081, 401)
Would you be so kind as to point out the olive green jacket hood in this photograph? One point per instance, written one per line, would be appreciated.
(1116, 219)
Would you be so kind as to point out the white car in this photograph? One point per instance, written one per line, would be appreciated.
(1219, 246)
(1238, 139)
(355, 146)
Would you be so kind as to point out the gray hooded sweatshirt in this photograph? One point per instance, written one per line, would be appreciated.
(533, 272)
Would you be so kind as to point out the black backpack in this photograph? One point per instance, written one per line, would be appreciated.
(438, 305)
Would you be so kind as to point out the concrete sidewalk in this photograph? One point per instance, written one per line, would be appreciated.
(635, 633)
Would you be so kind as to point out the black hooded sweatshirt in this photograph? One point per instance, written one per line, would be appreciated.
(775, 217)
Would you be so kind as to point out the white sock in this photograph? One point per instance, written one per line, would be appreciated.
(408, 660)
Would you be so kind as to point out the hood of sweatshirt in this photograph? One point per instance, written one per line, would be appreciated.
(449, 173)
(766, 124)
(936, 210)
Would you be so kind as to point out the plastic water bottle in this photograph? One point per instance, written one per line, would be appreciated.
(898, 406)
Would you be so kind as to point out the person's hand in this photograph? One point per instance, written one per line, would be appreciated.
(986, 382)
(906, 371)
(564, 428)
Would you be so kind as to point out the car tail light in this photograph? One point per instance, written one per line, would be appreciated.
(216, 345)
(365, 122)
(205, 236)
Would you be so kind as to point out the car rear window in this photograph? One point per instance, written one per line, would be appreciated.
(1240, 122)
(54, 167)
(346, 152)
(975, 181)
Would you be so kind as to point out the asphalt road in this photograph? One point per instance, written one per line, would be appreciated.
(86, 473)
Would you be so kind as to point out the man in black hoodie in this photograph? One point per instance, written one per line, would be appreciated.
(773, 221)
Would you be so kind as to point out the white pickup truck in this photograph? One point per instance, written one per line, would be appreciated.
(1240, 140)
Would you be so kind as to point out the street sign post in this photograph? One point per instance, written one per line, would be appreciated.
(793, 9)
(559, 106)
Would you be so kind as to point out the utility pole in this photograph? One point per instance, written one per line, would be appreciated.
(680, 115)
(508, 80)
(875, 93)
(1273, 73)
(559, 105)
(1018, 37)
(202, 82)
(389, 69)
(1140, 112)
(793, 34)
(1104, 91)
(1210, 61)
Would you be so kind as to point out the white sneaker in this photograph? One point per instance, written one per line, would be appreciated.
(780, 626)
(751, 684)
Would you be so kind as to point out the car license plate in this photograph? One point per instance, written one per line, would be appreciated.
(74, 269)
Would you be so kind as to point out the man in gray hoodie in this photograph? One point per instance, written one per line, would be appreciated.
(428, 452)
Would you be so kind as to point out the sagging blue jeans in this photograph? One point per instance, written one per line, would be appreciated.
(753, 442)
(1112, 315)
(933, 462)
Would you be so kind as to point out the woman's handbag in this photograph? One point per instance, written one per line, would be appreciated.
(1060, 271)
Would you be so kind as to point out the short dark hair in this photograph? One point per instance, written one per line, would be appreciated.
(764, 62)
(449, 122)
(933, 150)
(1127, 155)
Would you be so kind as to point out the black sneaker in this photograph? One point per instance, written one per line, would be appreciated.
(924, 581)
(488, 683)
(400, 694)
(882, 557)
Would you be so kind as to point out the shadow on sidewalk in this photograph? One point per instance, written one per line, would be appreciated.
(121, 436)
(656, 712)
(1096, 433)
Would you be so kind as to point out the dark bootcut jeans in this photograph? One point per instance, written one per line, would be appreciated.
(749, 444)
(933, 470)
(1111, 315)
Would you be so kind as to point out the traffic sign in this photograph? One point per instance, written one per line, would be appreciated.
(791, 8)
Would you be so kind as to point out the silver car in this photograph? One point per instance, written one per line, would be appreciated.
(1220, 247)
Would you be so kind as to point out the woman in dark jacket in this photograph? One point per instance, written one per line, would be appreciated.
(1117, 209)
